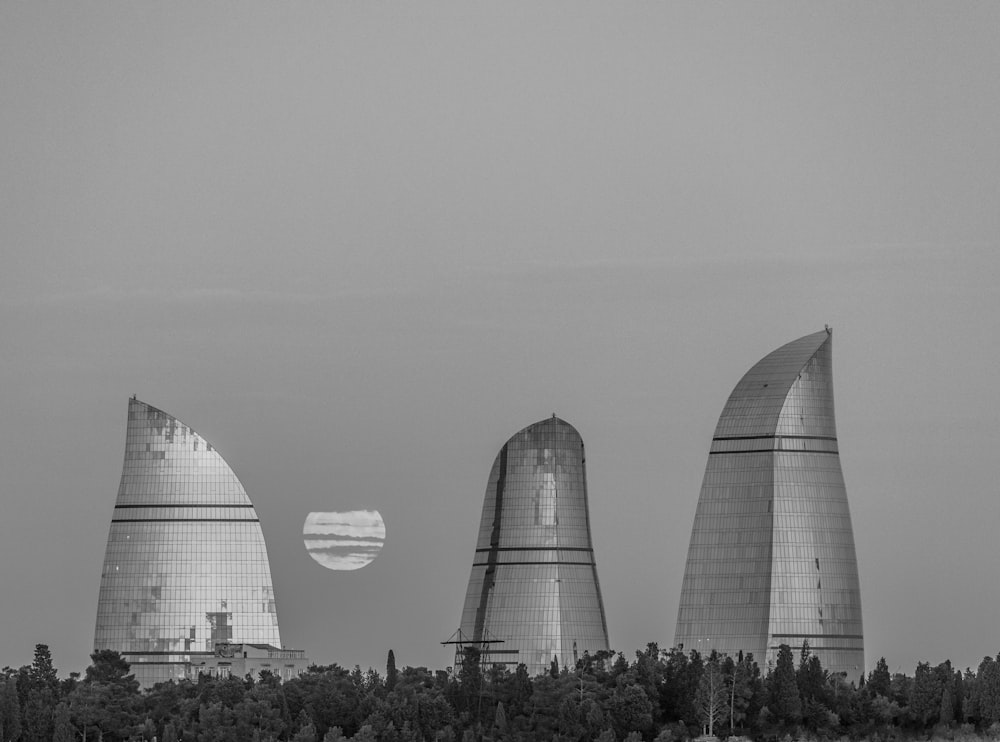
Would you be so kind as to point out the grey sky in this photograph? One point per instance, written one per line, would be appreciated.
(358, 245)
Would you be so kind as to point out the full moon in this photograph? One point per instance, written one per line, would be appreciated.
(344, 541)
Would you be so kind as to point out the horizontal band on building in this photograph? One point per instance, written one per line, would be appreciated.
(534, 548)
(183, 505)
(773, 450)
(775, 442)
(185, 652)
(185, 520)
(775, 435)
(521, 564)
(828, 649)
(817, 636)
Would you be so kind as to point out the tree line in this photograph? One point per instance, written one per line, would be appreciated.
(661, 695)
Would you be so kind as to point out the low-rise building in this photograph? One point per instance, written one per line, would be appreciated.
(240, 660)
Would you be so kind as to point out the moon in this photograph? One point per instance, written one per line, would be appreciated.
(344, 541)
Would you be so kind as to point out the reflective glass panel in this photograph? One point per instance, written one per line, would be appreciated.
(771, 559)
(185, 566)
(533, 594)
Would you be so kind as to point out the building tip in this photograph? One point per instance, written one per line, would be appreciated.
(829, 330)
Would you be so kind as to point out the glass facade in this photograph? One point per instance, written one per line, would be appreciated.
(771, 559)
(533, 594)
(186, 566)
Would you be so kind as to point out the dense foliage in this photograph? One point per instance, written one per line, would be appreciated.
(663, 695)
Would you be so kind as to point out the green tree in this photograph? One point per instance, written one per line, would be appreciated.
(216, 723)
(85, 709)
(815, 692)
(38, 691)
(546, 711)
(169, 732)
(712, 697)
(988, 691)
(306, 731)
(10, 710)
(945, 679)
(681, 675)
(630, 710)
(925, 696)
(595, 720)
(958, 694)
(470, 681)
(879, 679)
(739, 676)
(108, 666)
(946, 714)
(41, 672)
(900, 688)
(391, 674)
(970, 705)
(647, 672)
(63, 730)
(330, 693)
(264, 709)
(514, 690)
(783, 696)
(812, 680)
(500, 720)
(883, 711)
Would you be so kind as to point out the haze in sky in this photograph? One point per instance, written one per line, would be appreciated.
(359, 245)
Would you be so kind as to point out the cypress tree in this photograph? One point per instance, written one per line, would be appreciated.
(879, 680)
(40, 694)
(925, 695)
(785, 703)
(391, 674)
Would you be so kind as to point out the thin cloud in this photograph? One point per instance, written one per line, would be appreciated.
(314, 544)
(355, 523)
(160, 295)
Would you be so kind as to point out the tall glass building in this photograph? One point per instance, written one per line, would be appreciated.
(771, 559)
(186, 567)
(533, 594)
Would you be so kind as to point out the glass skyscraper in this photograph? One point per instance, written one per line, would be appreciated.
(771, 559)
(533, 594)
(186, 567)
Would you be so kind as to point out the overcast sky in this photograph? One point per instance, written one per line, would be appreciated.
(358, 245)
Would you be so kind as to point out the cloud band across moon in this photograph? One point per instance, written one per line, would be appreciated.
(344, 541)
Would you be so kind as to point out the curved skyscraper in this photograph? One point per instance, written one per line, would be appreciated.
(771, 559)
(186, 567)
(533, 594)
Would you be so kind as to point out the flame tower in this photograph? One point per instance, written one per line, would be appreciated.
(533, 593)
(186, 567)
(771, 559)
